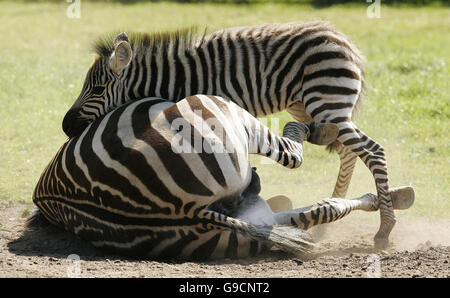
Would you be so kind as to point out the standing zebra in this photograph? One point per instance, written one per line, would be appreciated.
(310, 69)
(122, 185)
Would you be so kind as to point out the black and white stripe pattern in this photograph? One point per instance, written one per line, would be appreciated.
(310, 69)
(121, 186)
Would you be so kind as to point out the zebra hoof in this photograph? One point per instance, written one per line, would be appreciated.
(381, 242)
(323, 134)
(381, 239)
(402, 197)
(280, 203)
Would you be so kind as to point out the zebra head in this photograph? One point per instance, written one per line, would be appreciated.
(103, 87)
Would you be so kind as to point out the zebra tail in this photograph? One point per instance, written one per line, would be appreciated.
(36, 220)
(285, 237)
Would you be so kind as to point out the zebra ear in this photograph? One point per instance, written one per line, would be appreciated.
(121, 57)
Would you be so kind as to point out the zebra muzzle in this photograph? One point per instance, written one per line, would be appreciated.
(72, 125)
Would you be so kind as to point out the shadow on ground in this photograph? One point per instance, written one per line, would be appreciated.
(53, 242)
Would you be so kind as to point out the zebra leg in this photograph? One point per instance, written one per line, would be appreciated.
(372, 154)
(348, 161)
(288, 150)
(326, 211)
(347, 165)
(332, 209)
(347, 157)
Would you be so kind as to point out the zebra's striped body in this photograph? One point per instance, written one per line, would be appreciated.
(121, 186)
(310, 69)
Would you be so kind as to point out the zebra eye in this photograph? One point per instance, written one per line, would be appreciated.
(98, 89)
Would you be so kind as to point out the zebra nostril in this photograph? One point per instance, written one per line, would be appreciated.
(72, 125)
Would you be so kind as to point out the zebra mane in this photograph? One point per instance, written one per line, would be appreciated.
(141, 42)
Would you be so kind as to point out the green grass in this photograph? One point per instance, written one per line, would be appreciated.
(45, 55)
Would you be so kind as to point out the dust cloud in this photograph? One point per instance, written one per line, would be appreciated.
(409, 234)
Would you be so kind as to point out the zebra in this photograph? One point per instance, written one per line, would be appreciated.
(309, 69)
(125, 185)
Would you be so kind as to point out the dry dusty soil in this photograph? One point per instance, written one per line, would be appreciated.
(420, 248)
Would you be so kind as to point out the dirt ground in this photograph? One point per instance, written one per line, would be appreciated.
(420, 248)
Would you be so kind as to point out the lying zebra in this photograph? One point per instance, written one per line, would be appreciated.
(135, 182)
